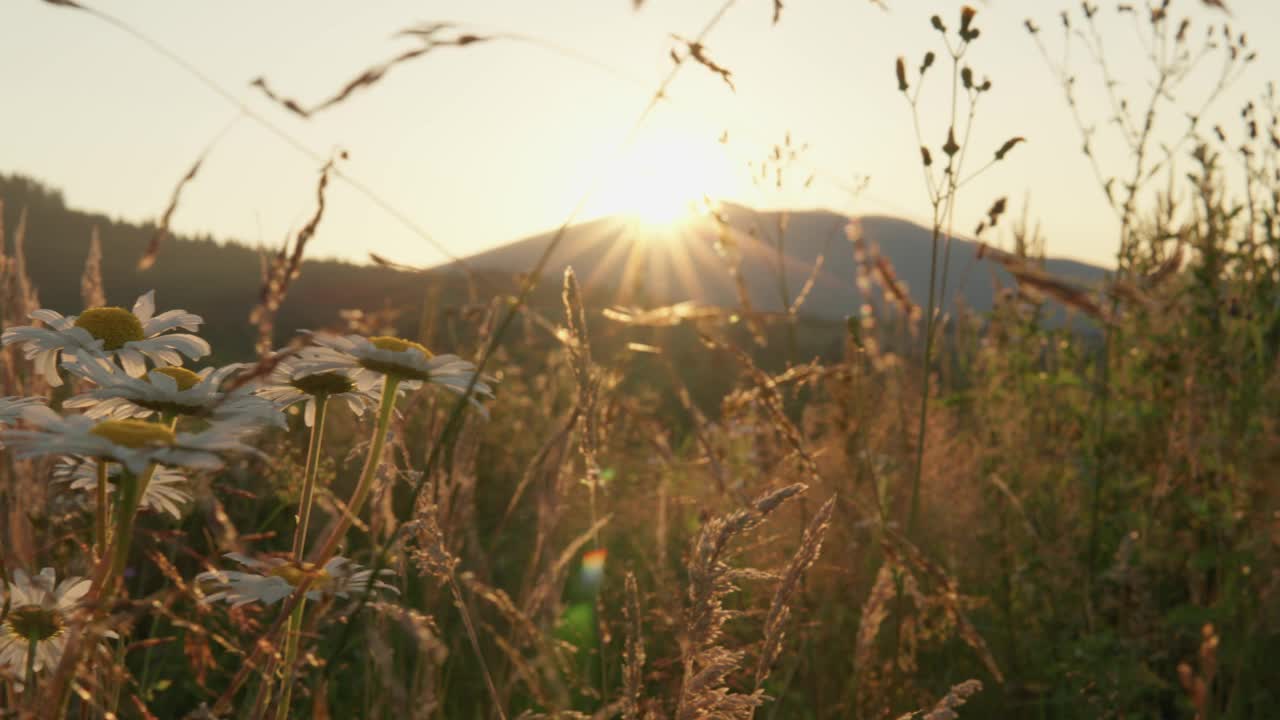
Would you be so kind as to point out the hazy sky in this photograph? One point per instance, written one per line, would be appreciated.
(482, 145)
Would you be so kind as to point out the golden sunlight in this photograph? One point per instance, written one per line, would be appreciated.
(663, 176)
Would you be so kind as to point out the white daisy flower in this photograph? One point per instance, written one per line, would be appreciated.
(129, 337)
(273, 579)
(39, 609)
(168, 491)
(166, 390)
(300, 379)
(11, 409)
(369, 359)
(132, 443)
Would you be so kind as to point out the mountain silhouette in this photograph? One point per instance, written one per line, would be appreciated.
(618, 262)
(640, 265)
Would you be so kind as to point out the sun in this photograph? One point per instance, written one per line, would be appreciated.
(663, 176)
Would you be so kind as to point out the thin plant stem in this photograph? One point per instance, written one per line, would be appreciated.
(132, 490)
(292, 639)
(371, 463)
(292, 634)
(475, 646)
(32, 645)
(309, 477)
(924, 393)
(102, 517)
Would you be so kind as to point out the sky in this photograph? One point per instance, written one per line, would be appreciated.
(468, 148)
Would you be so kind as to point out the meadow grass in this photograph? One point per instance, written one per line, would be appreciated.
(1063, 508)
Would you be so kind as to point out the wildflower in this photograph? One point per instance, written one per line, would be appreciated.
(129, 337)
(11, 409)
(39, 610)
(273, 579)
(132, 443)
(302, 379)
(167, 492)
(409, 363)
(168, 391)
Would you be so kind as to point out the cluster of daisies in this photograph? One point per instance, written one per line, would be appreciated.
(142, 422)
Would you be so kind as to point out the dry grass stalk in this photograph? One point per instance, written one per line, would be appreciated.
(874, 612)
(697, 52)
(808, 286)
(22, 299)
(946, 707)
(525, 672)
(769, 399)
(948, 593)
(1166, 269)
(707, 664)
(430, 551)
(25, 492)
(554, 444)
(633, 662)
(422, 628)
(430, 37)
(667, 316)
(699, 425)
(162, 231)
(780, 608)
(1061, 290)
(559, 715)
(522, 628)
(727, 247)
(895, 289)
(1198, 683)
(862, 328)
(579, 344)
(92, 293)
(8, 353)
(551, 583)
(281, 270)
(872, 266)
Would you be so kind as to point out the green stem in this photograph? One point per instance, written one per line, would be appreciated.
(132, 489)
(309, 477)
(365, 484)
(103, 511)
(31, 666)
(922, 426)
(340, 528)
(305, 503)
(291, 654)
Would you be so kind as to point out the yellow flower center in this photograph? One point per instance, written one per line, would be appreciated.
(112, 325)
(393, 368)
(395, 344)
(182, 376)
(294, 573)
(324, 384)
(134, 433)
(35, 621)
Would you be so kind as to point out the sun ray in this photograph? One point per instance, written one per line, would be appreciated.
(662, 177)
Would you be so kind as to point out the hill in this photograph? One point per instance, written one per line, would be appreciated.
(645, 266)
(618, 262)
(217, 280)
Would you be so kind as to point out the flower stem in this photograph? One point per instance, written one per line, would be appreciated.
(104, 511)
(309, 477)
(132, 489)
(365, 484)
(290, 655)
(340, 527)
(292, 638)
(31, 666)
